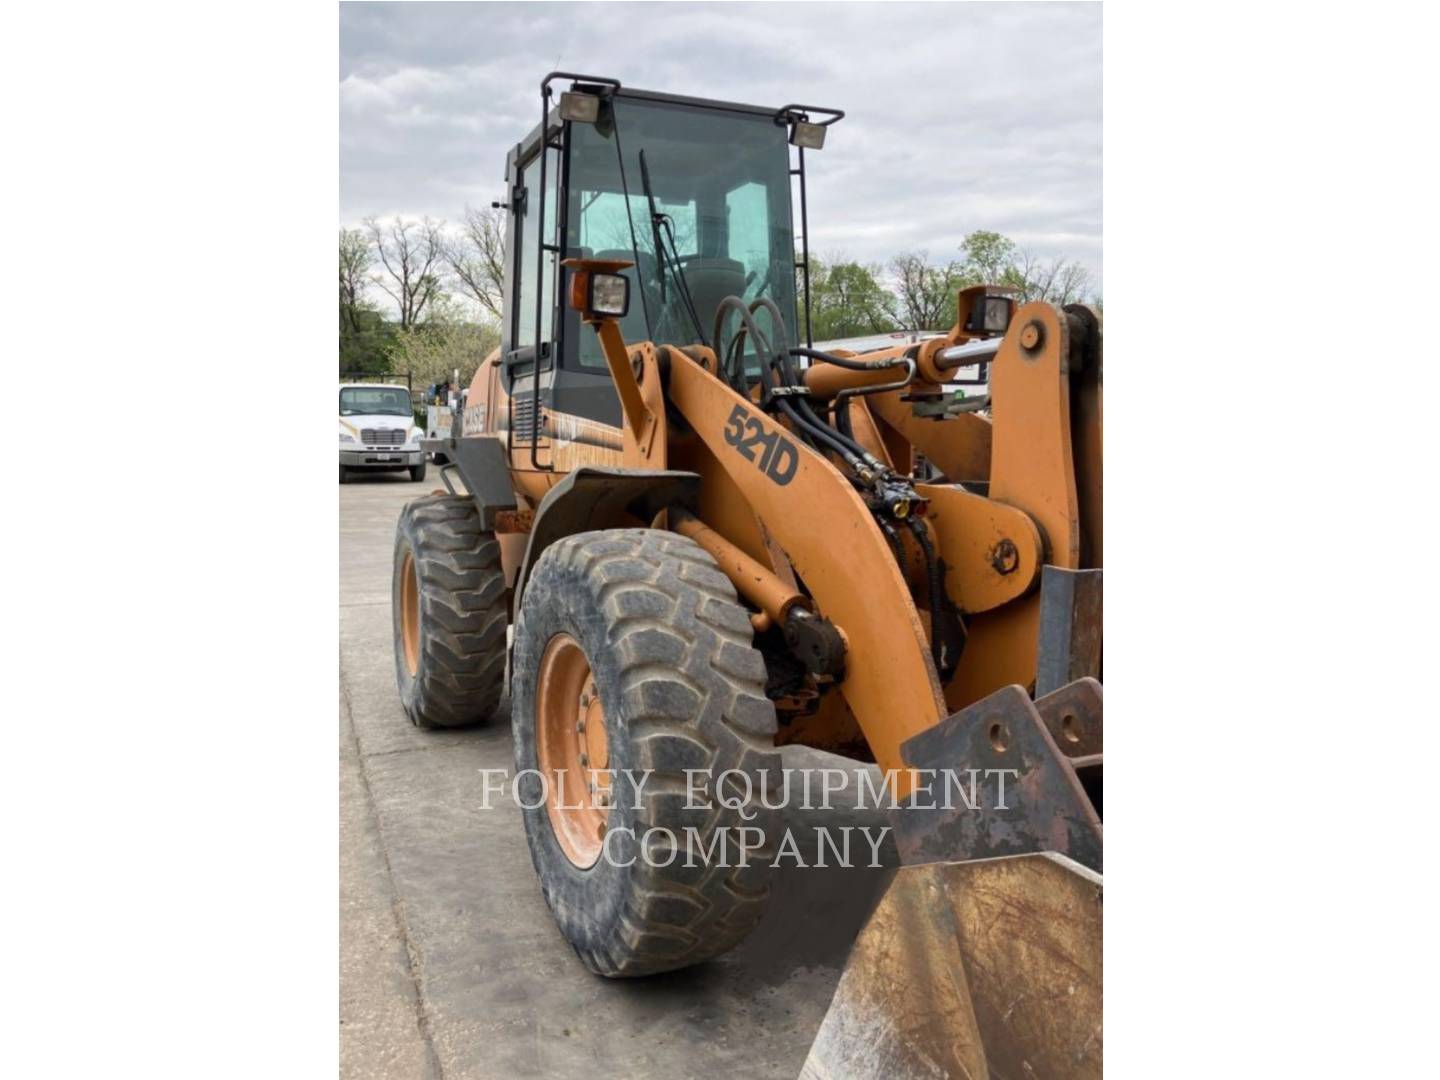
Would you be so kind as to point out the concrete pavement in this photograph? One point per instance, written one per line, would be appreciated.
(450, 963)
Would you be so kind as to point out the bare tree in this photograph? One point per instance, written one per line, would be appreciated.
(926, 292)
(477, 257)
(411, 255)
(1071, 284)
(1058, 280)
(355, 262)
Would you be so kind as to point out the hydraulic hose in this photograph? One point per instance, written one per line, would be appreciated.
(850, 363)
(821, 431)
(842, 399)
(937, 590)
(800, 413)
(893, 539)
(854, 447)
(736, 379)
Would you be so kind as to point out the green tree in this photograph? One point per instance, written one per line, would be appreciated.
(847, 300)
(450, 339)
(992, 259)
(989, 257)
(366, 338)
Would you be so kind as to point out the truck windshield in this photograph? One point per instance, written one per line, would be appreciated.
(722, 181)
(374, 401)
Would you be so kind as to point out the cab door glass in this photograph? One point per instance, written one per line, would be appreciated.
(523, 332)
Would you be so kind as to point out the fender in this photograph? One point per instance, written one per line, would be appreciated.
(480, 460)
(597, 497)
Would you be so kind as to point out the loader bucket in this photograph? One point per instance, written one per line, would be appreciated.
(983, 958)
(981, 969)
(1048, 755)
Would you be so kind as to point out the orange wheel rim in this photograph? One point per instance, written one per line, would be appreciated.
(573, 751)
(410, 613)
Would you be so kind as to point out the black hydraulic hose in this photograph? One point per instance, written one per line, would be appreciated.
(736, 379)
(854, 447)
(842, 409)
(820, 431)
(802, 414)
(777, 321)
(842, 399)
(937, 589)
(842, 418)
(893, 539)
(847, 362)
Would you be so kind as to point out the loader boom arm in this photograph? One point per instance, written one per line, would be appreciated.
(838, 551)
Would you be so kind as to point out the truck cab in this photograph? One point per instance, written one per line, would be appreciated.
(378, 432)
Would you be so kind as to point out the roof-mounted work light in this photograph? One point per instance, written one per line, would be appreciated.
(582, 108)
(806, 135)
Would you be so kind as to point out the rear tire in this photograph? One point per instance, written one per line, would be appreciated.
(417, 472)
(448, 612)
(680, 687)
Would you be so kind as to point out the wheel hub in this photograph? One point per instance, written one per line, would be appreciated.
(573, 751)
(410, 613)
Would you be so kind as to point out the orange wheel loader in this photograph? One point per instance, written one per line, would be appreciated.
(691, 538)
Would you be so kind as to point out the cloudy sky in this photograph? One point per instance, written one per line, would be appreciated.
(958, 116)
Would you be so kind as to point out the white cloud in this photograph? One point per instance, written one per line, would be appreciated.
(959, 116)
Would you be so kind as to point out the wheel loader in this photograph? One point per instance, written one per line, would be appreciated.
(689, 538)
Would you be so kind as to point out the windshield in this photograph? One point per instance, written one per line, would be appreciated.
(720, 182)
(374, 401)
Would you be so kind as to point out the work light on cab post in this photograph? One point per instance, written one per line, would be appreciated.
(601, 294)
(597, 290)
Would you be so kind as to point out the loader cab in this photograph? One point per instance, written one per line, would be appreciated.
(695, 193)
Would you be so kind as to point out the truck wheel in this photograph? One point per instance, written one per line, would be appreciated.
(449, 613)
(632, 660)
(344, 475)
(417, 472)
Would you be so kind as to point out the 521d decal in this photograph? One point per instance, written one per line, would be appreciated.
(778, 458)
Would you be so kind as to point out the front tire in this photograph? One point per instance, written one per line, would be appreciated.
(417, 472)
(344, 475)
(449, 613)
(638, 631)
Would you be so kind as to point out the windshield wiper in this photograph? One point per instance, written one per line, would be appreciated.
(655, 219)
(659, 225)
